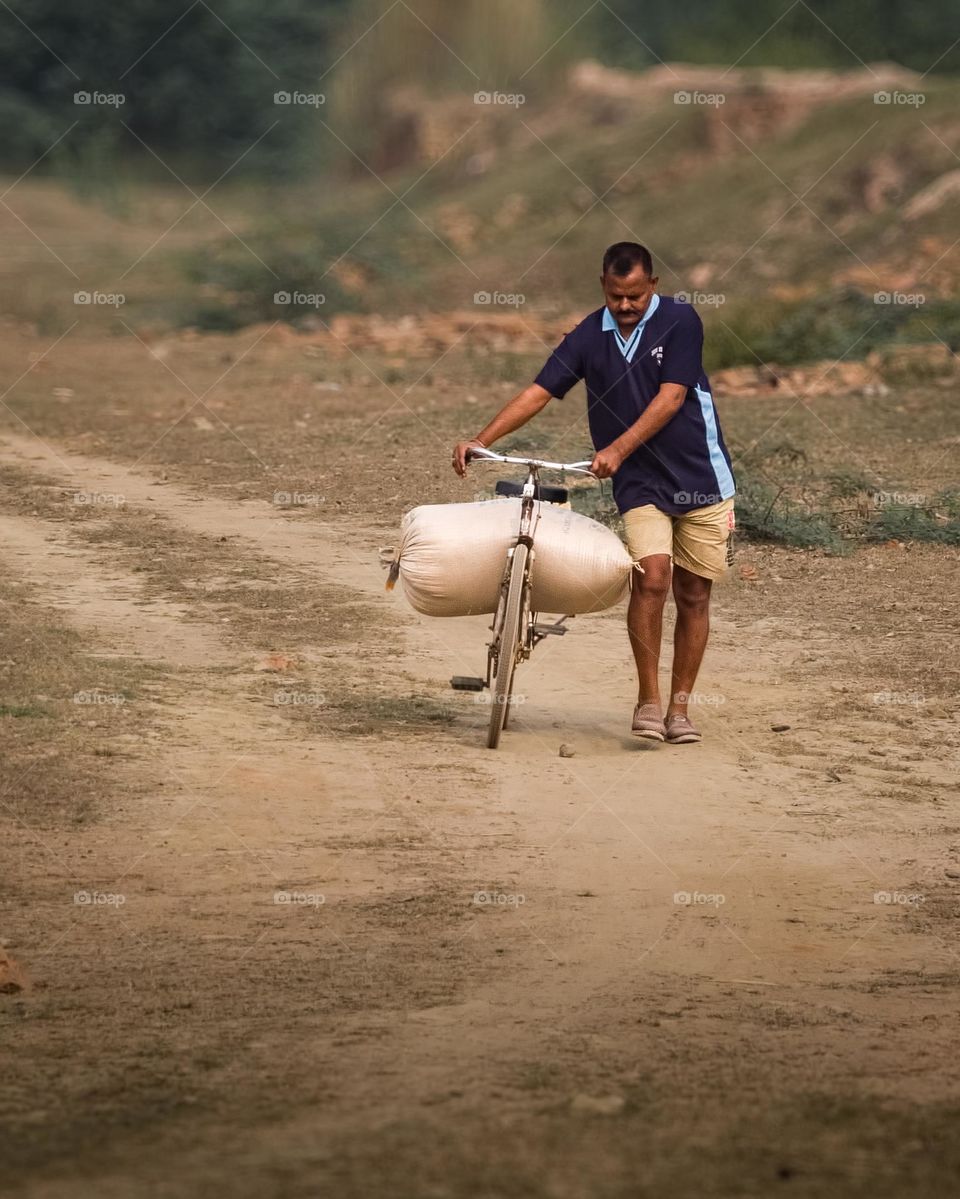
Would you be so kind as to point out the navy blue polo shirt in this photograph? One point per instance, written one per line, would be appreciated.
(684, 466)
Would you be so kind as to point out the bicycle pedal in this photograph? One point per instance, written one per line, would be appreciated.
(465, 682)
(549, 630)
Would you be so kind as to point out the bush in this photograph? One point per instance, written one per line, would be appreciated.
(845, 324)
(938, 523)
(766, 515)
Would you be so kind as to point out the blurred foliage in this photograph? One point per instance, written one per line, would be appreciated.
(198, 87)
(199, 84)
(845, 323)
(596, 501)
(447, 49)
(814, 33)
(848, 483)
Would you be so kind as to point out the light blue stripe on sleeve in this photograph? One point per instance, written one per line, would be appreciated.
(719, 463)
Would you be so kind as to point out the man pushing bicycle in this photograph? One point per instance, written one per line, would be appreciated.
(656, 433)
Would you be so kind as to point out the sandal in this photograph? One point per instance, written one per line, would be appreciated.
(681, 730)
(648, 722)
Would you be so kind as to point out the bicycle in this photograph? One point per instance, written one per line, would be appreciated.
(516, 631)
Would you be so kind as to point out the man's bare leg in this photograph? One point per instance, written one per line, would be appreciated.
(692, 596)
(645, 623)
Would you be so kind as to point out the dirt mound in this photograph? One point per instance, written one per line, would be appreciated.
(431, 334)
(820, 85)
(837, 378)
(740, 102)
(756, 102)
(814, 379)
(416, 336)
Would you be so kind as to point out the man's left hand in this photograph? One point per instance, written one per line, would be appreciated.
(607, 462)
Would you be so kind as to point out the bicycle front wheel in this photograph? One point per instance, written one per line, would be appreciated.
(507, 644)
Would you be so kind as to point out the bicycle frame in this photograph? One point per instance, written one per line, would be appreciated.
(515, 630)
(534, 466)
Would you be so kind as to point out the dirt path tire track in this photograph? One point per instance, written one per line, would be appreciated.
(596, 845)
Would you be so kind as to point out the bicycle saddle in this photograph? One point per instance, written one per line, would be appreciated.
(550, 495)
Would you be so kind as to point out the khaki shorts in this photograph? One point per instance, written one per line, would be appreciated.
(697, 540)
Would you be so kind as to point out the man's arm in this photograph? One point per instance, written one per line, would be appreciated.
(523, 407)
(660, 411)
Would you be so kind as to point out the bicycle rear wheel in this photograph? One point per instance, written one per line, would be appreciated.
(507, 645)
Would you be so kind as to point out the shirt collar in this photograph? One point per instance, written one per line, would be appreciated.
(628, 345)
(609, 323)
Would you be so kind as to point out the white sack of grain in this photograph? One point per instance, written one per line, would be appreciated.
(452, 557)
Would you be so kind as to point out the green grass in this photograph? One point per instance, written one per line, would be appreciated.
(20, 710)
(847, 483)
(913, 522)
(828, 325)
(765, 514)
(597, 503)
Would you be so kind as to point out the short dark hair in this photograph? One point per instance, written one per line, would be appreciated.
(624, 256)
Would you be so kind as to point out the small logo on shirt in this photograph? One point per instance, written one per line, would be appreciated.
(657, 352)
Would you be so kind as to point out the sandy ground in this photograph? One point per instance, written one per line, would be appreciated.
(406, 965)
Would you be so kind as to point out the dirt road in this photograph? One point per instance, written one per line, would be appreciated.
(397, 963)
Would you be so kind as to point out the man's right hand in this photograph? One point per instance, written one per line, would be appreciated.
(460, 454)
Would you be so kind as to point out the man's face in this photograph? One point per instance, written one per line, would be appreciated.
(628, 296)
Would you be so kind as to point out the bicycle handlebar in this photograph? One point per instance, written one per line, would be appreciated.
(490, 456)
